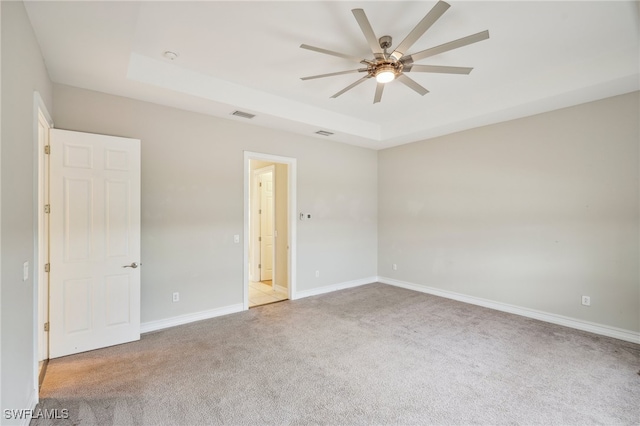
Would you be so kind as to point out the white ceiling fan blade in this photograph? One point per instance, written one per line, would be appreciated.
(464, 41)
(365, 26)
(333, 73)
(378, 96)
(330, 52)
(351, 86)
(412, 84)
(437, 69)
(430, 18)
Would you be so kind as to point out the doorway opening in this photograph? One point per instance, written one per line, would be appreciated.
(269, 231)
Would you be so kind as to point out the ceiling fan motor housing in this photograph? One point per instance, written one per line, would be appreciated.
(385, 66)
(385, 41)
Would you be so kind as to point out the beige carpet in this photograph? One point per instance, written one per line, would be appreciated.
(372, 355)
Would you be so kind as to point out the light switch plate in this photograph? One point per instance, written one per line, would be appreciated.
(25, 271)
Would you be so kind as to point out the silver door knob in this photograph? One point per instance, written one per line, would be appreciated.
(134, 265)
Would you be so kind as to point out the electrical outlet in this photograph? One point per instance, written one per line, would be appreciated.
(317, 274)
(586, 300)
(236, 238)
(176, 297)
(394, 267)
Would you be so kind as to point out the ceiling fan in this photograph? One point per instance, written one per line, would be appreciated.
(386, 67)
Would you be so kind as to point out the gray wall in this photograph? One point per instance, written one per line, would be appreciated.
(192, 199)
(533, 212)
(23, 72)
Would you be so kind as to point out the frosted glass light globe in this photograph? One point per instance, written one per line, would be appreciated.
(385, 76)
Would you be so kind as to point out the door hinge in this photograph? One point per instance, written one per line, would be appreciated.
(47, 267)
(47, 208)
(261, 184)
(259, 238)
(47, 149)
(46, 326)
(260, 211)
(259, 266)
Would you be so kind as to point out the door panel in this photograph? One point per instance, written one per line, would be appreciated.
(78, 219)
(95, 232)
(118, 290)
(117, 197)
(77, 305)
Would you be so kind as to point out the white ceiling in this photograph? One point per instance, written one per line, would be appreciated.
(245, 55)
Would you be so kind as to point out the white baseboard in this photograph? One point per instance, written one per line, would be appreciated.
(604, 330)
(333, 287)
(33, 402)
(146, 327)
(23, 415)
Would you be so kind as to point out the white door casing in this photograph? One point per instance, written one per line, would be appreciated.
(266, 223)
(292, 207)
(94, 234)
(42, 276)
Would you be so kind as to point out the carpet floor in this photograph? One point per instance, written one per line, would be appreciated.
(371, 355)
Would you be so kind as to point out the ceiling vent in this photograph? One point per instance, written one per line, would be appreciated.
(243, 114)
(324, 133)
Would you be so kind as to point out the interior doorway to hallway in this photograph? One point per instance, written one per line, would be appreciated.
(269, 230)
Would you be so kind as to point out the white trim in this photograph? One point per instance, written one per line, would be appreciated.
(38, 103)
(42, 234)
(281, 288)
(334, 287)
(292, 206)
(604, 330)
(147, 327)
(40, 243)
(31, 404)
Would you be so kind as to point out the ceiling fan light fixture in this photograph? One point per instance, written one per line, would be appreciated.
(385, 73)
(387, 67)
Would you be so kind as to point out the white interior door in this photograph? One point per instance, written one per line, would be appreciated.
(266, 225)
(95, 241)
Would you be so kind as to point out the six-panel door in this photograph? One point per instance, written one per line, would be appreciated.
(94, 236)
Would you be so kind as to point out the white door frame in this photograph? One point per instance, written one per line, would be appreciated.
(292, 208)
(41, 235)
